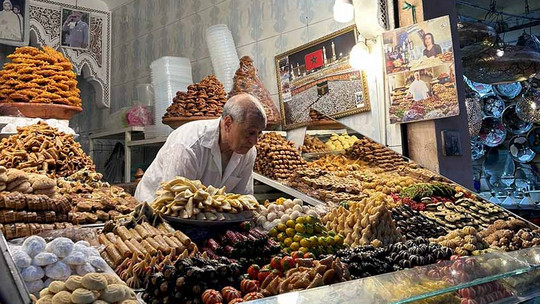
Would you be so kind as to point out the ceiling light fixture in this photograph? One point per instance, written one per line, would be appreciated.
(343, 11)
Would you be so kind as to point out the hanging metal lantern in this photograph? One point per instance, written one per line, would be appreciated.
(507, 64)
(530, 41)
(474, 112)
(475, 37)
(528, 106)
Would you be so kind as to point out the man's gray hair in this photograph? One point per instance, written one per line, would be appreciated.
(241, 105)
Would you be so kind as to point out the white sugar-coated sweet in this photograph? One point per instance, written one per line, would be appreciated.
(22, 259)
(82, 243)
(76, 258)
(297, 201)
(61, 246)
(98, 263)
(35, 286)
(58, 270)
(84, 269)
(34, 245)
(32, 273)
(44, 259)
(93, 252)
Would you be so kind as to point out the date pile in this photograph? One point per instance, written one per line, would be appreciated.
(368, 261)
(313, 144)
(39, 76)
(375, 154)
(413, 224)
(248, 247)
(42, 149)
(276, 157)
(205, 98)
(186, 281)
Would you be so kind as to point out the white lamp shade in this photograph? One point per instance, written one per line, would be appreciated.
(360, 57)
(343, 11)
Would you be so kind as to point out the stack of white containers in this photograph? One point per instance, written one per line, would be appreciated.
(223, 54)
(169, 75)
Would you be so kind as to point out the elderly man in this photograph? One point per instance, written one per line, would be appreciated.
(218, 152)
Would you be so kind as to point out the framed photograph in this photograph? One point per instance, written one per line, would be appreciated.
(318, 76)
(419, 62)
(423, 94)
(14, 22)
(75, 29)
(451, 142)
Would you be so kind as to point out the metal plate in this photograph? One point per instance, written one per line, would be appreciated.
(513, 123)
(242, 217)
(493, 106)
(520, 149)
(481, 88)
(534, 139)
(508, 90)
(492, 133)
(499, 163)
(477, 148)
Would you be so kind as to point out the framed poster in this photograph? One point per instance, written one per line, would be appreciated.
(419, 65)
(75, 29)
(14, 22)
(318, 76)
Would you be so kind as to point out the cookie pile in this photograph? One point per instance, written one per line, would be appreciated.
(205, 98)
(276, 157)
(90, 288)
(20, 181)
(511, 235)
(246, 80)
(313, 144)
(18, 230)
(40, 148)
(39, 76)
(375, 154)
(464, 241)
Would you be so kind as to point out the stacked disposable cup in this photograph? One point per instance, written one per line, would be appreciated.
(222, 53)
(169, 75)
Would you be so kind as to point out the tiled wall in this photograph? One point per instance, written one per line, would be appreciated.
(146, 30)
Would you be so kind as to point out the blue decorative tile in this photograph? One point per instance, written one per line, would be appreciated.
(138, 25)
(255, 24)
(306, 11)
(277, 10)
(323, 10)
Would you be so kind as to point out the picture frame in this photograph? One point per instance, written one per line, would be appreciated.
(318, 76)
(75, 29)
(451, 141)
(14, 22)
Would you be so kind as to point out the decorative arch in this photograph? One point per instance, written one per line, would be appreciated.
(93, 63)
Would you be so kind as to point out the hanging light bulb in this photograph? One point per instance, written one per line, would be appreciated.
(343, 11)
(500, 52)
(360, 58)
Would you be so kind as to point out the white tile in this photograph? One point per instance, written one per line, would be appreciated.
(239, 11)
(186, 36)
(267, 50)
(267, 20)
(140, 18)
(293, 39)
(184, 8)
(204, 21)
(323, 10)
(306, 11)
(220, 13)
(161, 15)
(293, 20)
(174, 31)
(171, 11)
(127, 27)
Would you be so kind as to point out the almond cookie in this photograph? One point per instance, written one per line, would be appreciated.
(63, 297)
(83, 296)
(94, 281)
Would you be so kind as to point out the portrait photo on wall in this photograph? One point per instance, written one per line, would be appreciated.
(14, 29)
(318, 76)
(422, 45)
(75, 29)
(423, 94)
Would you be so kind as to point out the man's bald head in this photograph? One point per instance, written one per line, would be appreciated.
(243, 108)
